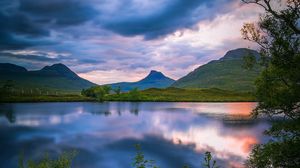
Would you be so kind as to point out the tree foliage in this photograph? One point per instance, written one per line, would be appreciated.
(209, 162)
(140, 161)
(7, 88)
(135, 95)
(98, 92)
(278, 87)
(63, 161)
(277, 34)
(282, 152)
(117, 90)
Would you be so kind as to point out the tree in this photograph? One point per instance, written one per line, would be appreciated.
(7, 87)
(134, 95)
(98, 92)
(88, 92)
(63, 161)
(278, 87)
(208, 162)
(140, 161)
(106, 89)
(117, 90)
(282, 152)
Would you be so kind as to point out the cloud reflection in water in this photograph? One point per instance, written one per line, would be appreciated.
(104, 133)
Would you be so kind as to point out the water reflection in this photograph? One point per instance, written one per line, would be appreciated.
(8, 112)
(134, 108)
(104, 133)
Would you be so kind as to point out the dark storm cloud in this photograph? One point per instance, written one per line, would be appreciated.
(35, 19)
(7, 41)
(17, 31)
(91, 61)
(21, 24)
(10, 41)
(59, 12)
(176, 14)
(47, 58)
(33, 57)
(27, 23)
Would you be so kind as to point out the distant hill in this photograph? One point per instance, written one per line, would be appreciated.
(55, 77)
(154, 79)
(226, 73)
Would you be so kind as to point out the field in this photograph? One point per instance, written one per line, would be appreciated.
(153, 94)
(44, 98)
(183, 95)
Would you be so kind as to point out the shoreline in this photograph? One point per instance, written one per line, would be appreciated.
(150, 95)
(141, 101)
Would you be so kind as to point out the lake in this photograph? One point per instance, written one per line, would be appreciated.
(104, 134)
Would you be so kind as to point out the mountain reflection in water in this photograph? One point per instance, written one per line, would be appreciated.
(104, 134)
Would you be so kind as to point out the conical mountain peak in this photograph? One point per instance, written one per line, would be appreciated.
(154, 79)
(58, 66)
(59, 69)
(155, 74)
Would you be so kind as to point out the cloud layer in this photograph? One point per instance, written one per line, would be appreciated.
(112, 40)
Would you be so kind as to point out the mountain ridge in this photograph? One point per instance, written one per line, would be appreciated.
(226, 73)
(239, 53)
(8, 67)
(54, 77)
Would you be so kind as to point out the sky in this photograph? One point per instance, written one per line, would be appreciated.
(107, 41)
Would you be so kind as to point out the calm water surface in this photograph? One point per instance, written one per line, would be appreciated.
(104, 134)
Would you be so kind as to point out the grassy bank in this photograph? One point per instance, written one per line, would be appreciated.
(45, 98)
(183, 95)
(159, 95)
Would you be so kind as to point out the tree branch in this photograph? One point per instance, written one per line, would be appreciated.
(269, 9)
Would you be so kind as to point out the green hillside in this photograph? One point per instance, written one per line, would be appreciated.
(226, 73)
(57, 77)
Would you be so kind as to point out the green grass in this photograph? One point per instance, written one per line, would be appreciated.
(44, 98)
(184, 95)
(153, 94)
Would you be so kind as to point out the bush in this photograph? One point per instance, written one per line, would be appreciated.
(63, 161)
(98, 92)
(134, 95)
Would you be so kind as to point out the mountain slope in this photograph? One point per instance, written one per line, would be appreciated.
(154, 79)
(55, 77)
(226, 73)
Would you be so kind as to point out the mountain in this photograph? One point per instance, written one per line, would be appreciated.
(54, 77)
(154, 79)
(226, 73)
(59, 70)
(7, 68)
